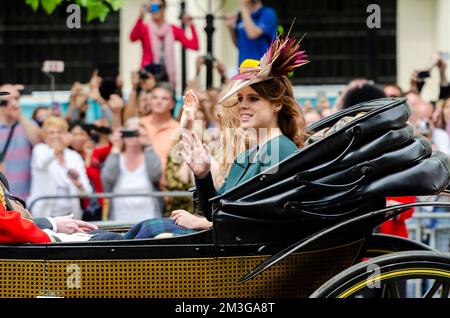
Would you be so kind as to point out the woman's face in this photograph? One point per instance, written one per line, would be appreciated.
(54, 135)
(79, 138)
(254, 111)
(42, 114)
(159, 15)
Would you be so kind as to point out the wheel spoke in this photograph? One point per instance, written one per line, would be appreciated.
(395, 291)
(433, 289)
(385, 291)
(390, 290)
(445, 290)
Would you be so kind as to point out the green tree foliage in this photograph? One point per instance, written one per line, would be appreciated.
(96, 9)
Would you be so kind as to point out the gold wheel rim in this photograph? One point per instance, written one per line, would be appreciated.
(393, 274)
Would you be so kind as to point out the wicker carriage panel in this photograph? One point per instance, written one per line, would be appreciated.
(22, 278)
(296, 276)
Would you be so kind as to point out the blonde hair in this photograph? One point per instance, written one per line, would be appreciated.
(57, 122)
(233, 139)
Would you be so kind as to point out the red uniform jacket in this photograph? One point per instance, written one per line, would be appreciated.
(15, 229)
(397, 225)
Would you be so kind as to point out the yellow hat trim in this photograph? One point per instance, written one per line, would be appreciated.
(249, 64)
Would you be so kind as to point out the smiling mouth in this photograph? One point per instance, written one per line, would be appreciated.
(246, 117)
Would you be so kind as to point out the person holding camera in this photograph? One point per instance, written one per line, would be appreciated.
(132, 167)
(57, 170)
(253, 29)
(18, 135)
(158, 37)
(143, 81)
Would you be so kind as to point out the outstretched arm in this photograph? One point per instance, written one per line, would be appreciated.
(253, 31)
(180, 35)
(138, 31)
(32, 131)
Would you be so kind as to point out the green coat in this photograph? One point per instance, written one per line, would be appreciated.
(247, 165)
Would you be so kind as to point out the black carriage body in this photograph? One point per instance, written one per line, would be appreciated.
(280, 234)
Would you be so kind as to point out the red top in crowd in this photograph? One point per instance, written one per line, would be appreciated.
(141, 32)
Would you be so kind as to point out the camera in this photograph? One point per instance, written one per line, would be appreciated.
(158, 71)
(143, 74)
(423, 74)
(126, 133)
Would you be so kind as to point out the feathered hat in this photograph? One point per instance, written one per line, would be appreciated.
(282, 57)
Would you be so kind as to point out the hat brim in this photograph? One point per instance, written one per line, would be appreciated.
(240, 84)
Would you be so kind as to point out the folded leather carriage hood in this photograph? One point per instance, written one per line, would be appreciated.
(382, 127)
(302, 219)
(429, 176)
(350, 175)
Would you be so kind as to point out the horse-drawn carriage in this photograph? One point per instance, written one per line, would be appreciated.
(303, 228)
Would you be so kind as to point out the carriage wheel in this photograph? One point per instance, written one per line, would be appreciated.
(382, 244)
(385, 277)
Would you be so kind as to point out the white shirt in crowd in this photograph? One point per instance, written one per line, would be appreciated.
(50, 178)
(441, 140)
(134, 209)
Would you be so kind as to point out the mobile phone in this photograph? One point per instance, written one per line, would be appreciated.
(154, 8)
(126, 133)
(423, 74)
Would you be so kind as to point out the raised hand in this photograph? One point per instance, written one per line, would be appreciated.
(116, 103)
(190, 106)
(231, 21)
(195, 154)
(187, 19)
